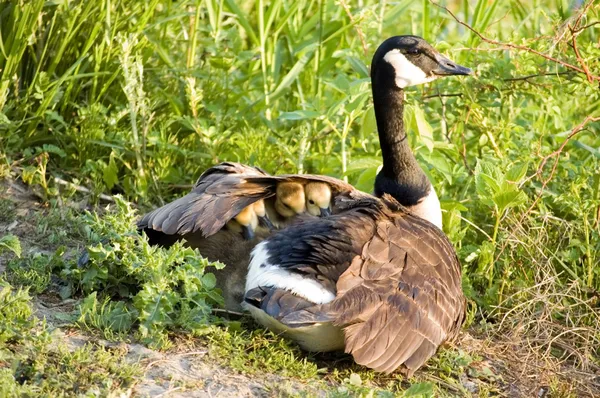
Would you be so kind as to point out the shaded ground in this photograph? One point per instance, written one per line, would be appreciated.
(482, 364)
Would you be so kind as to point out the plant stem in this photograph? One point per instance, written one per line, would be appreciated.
(494, 237)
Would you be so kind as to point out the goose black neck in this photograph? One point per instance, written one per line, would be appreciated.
(401, 175)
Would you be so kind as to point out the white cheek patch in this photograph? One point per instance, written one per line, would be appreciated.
(407, 73)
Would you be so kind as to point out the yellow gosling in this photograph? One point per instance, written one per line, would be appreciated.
(318, 198)
(290, 199)
(245, 222)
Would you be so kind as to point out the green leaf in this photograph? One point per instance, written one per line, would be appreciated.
(110, 172)
(294, 72)
(242, 20)
(508, 199)
(424, 130)
(516, 173)
(368, 125)
(209, 281)
(488, 179)
(366, 180)
(363, 163)
(54, 149)
(420, 390)
(299, 115)
(10, 242)
(358, 66)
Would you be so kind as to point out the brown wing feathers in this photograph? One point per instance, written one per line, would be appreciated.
(220, 194)
(401, 298)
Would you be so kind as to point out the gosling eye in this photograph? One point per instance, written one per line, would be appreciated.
(412, 51)
(312, 202)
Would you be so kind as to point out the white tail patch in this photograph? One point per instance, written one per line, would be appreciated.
(407, 73)
(262, 273)
(429, 208)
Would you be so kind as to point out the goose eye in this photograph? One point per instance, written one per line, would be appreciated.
(312, 202)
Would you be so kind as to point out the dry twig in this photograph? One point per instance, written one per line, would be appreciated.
(361, 34)
(82, 189)
(556, 155)
(567, 65)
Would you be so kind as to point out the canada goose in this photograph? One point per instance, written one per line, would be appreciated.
(288, 202)
(373, 278)
(235, 192)
(183, 216)
(296, 198)
(399, 62)
(376, 279)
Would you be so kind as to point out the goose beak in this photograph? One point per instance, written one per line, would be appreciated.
(448, 68)
(325, 212)
(247, 232)
(266, 222)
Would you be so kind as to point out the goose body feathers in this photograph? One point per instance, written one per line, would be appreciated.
(394, 280)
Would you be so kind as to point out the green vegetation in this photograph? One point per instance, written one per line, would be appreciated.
(138, 98)
(164, 289)
(33, 366)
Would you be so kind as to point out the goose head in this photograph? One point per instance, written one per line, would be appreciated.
(318, 198)
(409, 61)
(290, 199)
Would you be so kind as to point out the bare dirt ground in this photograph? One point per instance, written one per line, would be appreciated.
(498, 365)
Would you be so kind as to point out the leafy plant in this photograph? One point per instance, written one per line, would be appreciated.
(35, 270)
(162, 289)
(138, 98)
(15, 313)
(11, 243)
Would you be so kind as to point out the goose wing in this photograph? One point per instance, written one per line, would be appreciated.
(220, 194)
(401, 298)
(397, 281)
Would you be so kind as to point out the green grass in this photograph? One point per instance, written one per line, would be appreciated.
(32, 364)
(138, 98)
(260, 351)
(7, 211)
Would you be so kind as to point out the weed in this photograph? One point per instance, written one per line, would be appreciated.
(31, 364)
(10, 243)
(15, 314)
(35, 270)
(138, 98)
(162, 289)
(113, 319)
(39, 369)
(7, 211)
(259, 351)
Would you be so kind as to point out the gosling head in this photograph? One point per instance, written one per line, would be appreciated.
(403, 61)
(318, 198)
(290, 199)
(261, 213)
(248, 221)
